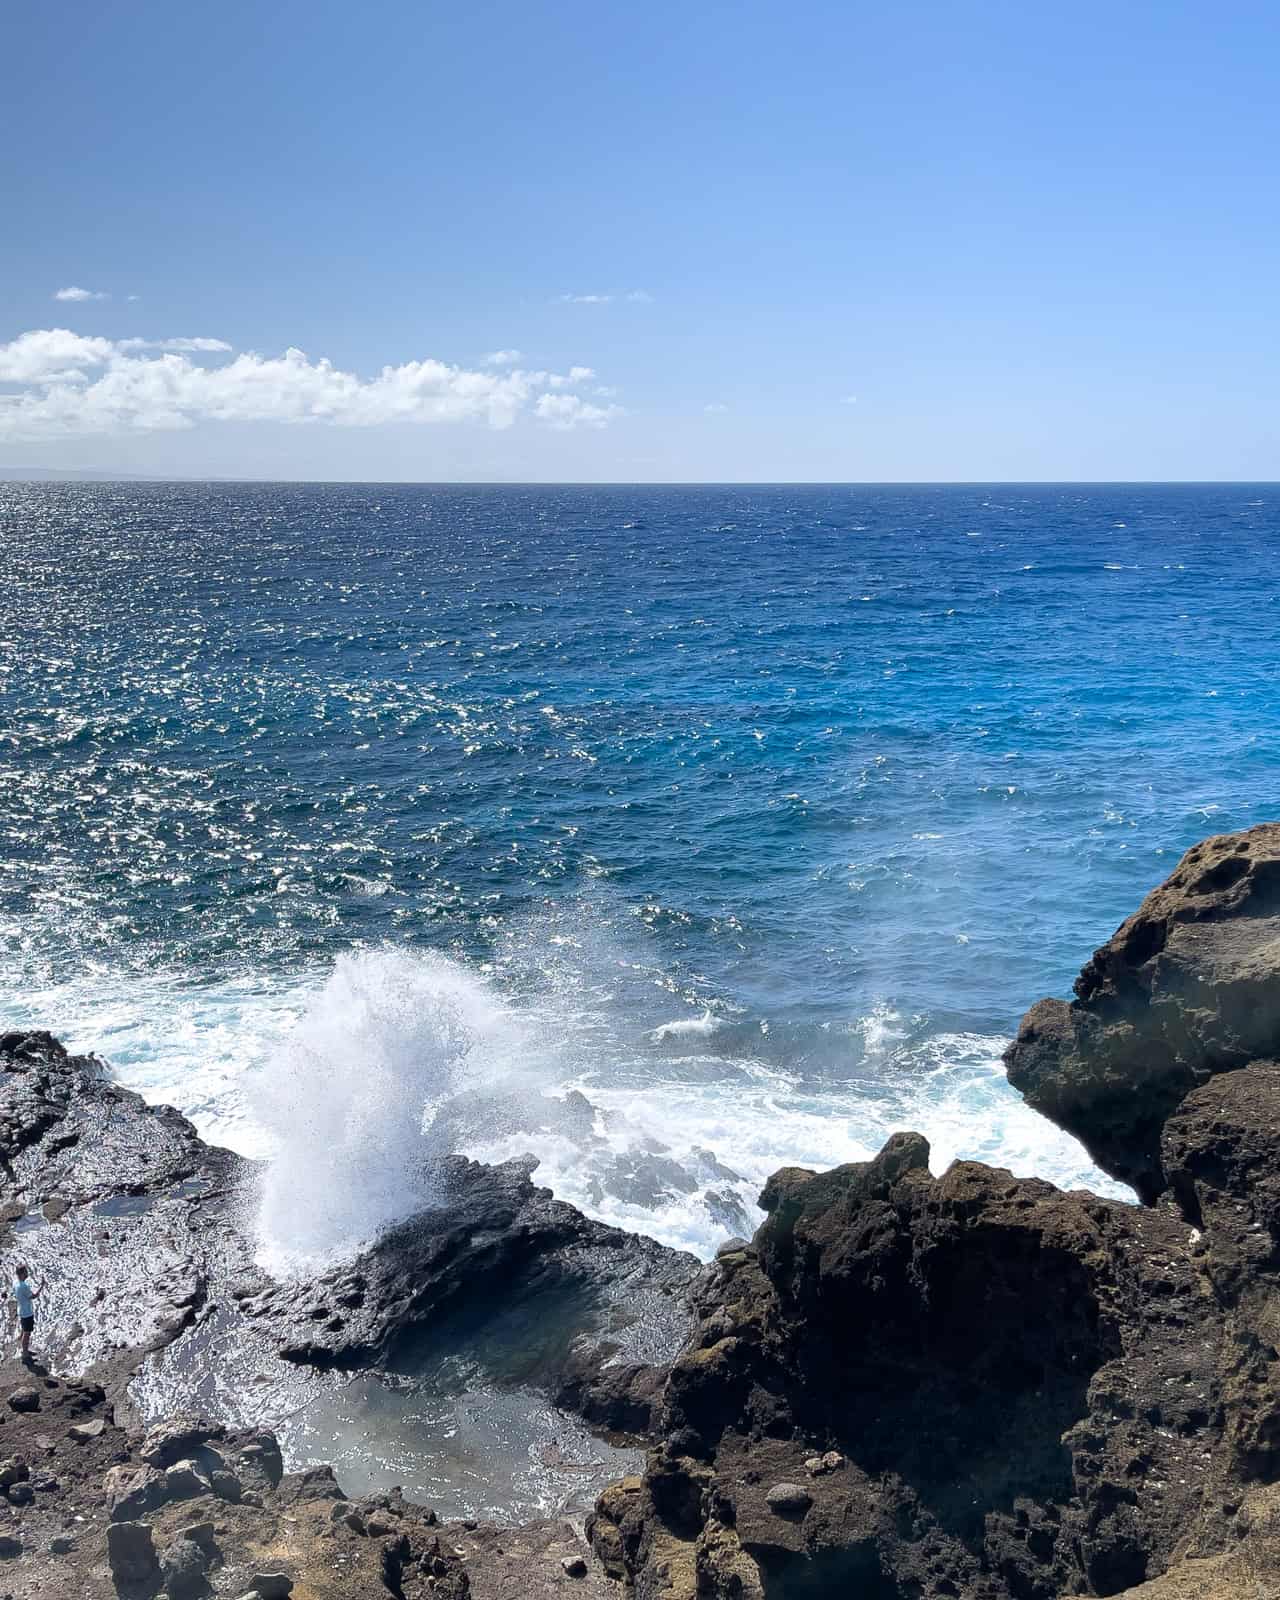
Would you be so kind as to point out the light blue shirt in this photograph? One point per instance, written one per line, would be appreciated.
(23, 1295)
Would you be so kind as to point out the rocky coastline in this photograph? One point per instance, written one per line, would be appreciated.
(905, 1387)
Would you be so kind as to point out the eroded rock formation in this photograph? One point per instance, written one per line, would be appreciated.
(1187, 987)
(977, 1386)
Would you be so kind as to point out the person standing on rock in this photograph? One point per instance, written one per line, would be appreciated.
(26, 1296)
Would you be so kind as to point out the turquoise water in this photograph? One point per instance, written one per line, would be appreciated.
(759, 814)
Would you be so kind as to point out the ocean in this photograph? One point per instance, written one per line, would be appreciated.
(756, 814)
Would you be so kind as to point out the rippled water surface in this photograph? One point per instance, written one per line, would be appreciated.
(757, 814)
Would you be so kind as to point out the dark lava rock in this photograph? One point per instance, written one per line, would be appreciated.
(1021, 1383)
(271, 1585)
(1187, 987)
(177, 1439)
(25, 1399)
(131, 1551)
(131, 1491)
(494, 1237)
(184, 1566)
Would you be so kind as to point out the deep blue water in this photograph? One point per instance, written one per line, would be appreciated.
(836, 779)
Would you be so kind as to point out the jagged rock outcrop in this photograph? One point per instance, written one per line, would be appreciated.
(497, 1237)
(1187, 987)
(138, 1227)
(1019, 1385)
(976, 1386)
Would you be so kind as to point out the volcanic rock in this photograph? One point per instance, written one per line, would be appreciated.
(131, 1551)
(1186, 987)
(184, 1567)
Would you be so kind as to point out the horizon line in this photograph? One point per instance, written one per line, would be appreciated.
(106, 475)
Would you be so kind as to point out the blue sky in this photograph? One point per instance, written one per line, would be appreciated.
(926, 241)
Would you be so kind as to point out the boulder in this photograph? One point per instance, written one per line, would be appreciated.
(1187, 987)
(183, 1481)
(271, 1585)
(259, 1464)
(225, 1485)
(788, 1500)
(24, 1399)
(176, 1439)
(131, 1553)
(184, 1568)
(131, 1492)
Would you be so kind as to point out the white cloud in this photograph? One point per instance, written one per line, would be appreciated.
(636, 296)
(502, 358)
(48, 354)
(73, 384)
(190, 346)
(715, 408)
(81, 294)
(570, 379)
(571, 411)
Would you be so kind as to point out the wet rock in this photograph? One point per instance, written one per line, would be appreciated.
(131, 1552)
(639, 1179)
(1187, 987)
(495, 1238)
(727, 1210)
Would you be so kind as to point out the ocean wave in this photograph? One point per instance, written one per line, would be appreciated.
(351, 1079)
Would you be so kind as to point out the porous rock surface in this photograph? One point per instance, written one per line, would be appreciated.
(1187, 987)
(990, 1389)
